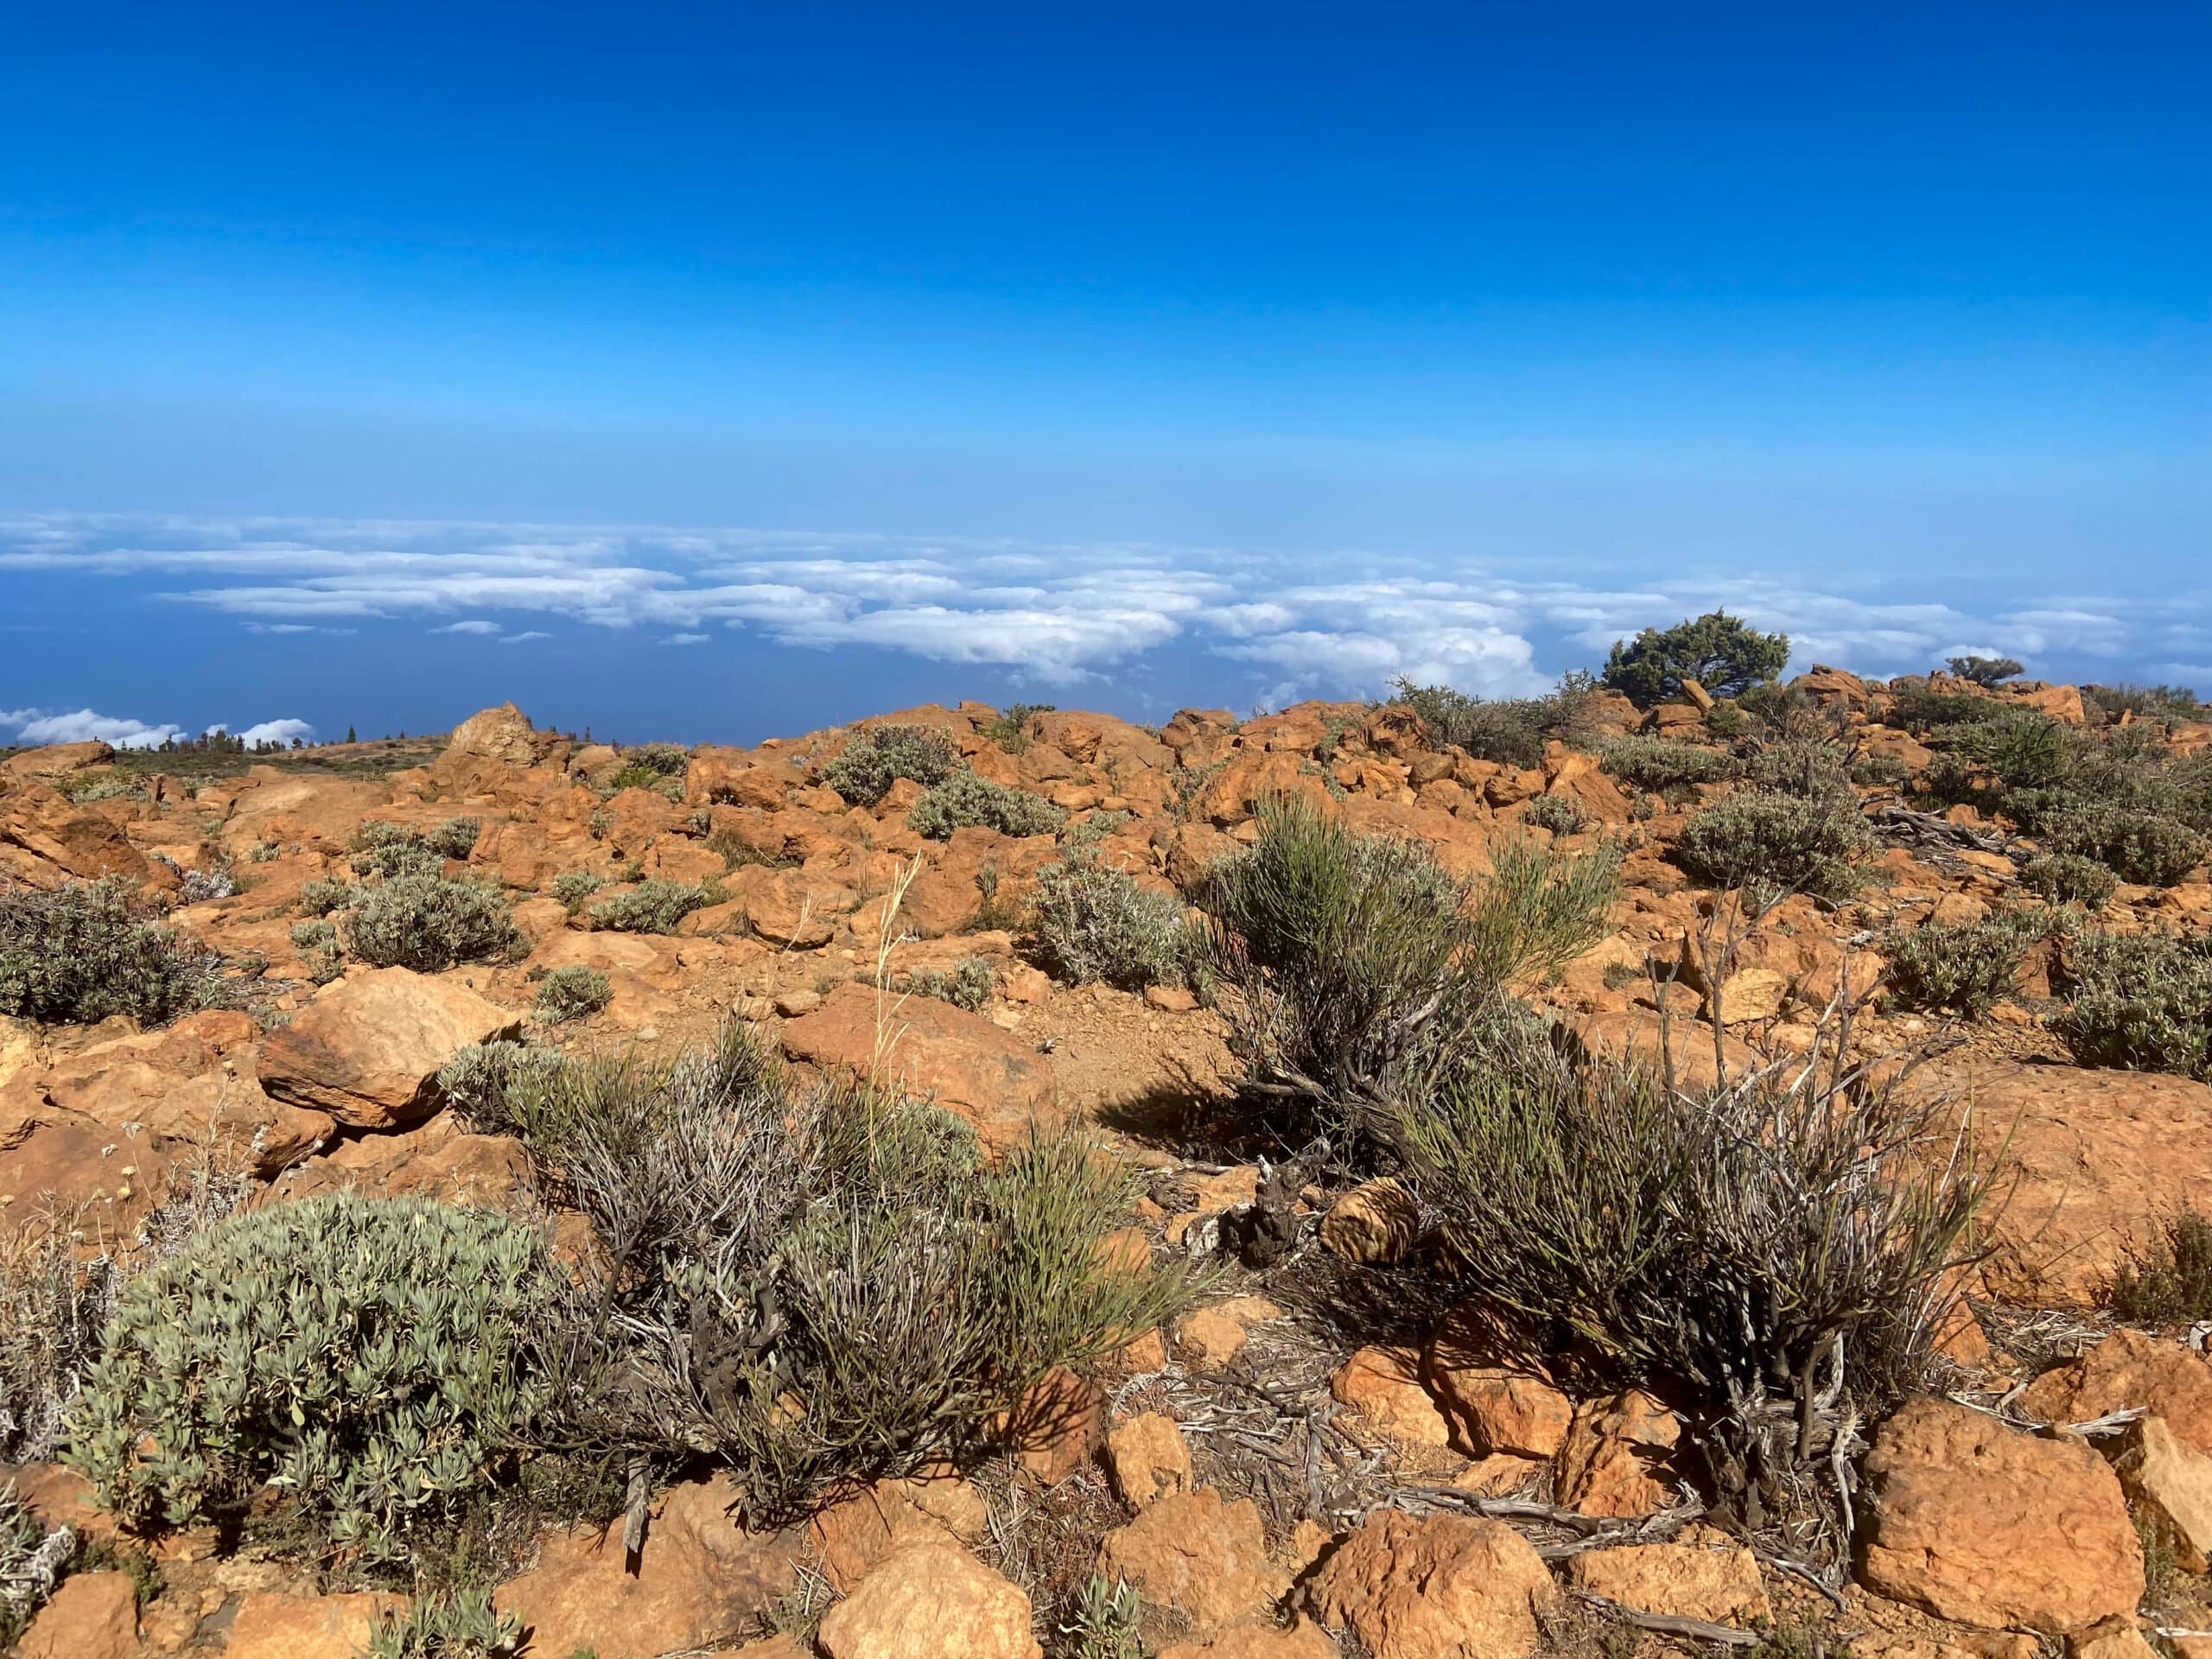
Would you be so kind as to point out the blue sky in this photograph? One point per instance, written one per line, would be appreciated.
(710, 372)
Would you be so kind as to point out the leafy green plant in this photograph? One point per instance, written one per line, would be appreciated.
(457, 1626)
(1665, 767)
(363, 1361)
(2068, 878)
(454, 838)
(88, 950)
(391, 849)
(1509, 732)
(319, 897)
(427, 923)
(1961, 966)
(511, 1088)
(1105, 1621)
(571, 992)
(964, 801)
(1768, 842)
(653, 907)
(968, 986)
(2146, 847)
(1010, 731)
(1559, 814)
(1720, 652)
(874, 759)
(657, 766)
(2169, 1283)
(1985, 671)
(2141, 1001)
(1817, 768)
(1089, 922)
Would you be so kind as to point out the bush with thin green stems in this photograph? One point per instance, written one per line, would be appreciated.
(319, 897)
(1664, 766)
(2146, 848)
(454, 838)
(86, 951)
(2170, 1282)
(2139, 1001)
(1353, 964)
(2151, 702)
(650, 906)
(429, 924)
(361, 1364)
(461, 1625)
(1817, 768)
(2068, 878)
(381, 848)
(1963, 967)
(874, 759)
(1510, 731)
(1091, 922)
(574, 992)
(656, 766)
(572, 887)
(1010, 731)
(1762, 841)
(965, 801)
(835, 1244)
(1770, 1251)
(511, 1088)
(1559, 814)
(1720, 652)
(968, 985)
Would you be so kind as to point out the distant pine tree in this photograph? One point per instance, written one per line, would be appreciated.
(350, 738)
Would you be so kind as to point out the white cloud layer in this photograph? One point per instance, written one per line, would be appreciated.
(1343, 625)
(34, 729)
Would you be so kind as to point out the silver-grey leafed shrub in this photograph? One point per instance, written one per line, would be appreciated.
(361, 1361)
(32, 1559)
(462, 1625)
(427, 923)
(2141, 1001)
(872, 760)
(1664, 766)
(1091, 923)
(650, 906)
(88, 950)
(1769, 843)
(572, 992)
(964, 801)
(968, 985)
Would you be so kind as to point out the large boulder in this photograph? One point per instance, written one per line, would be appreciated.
(271, 1624)
(1193, 1553)
(1436, 1586)
(1976, 1522)
(502, 735)
(933, 1601)
(92, 1615)
(366, 1049)
(969, 1065)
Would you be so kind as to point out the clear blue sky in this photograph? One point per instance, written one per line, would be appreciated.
(1129, 356)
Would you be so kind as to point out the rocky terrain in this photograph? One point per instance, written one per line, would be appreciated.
(1322, 1449)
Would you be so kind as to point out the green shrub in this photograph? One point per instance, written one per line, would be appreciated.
(1557, 813)
(654, 906)
(2151, 702)
(391, 849)
(1919, 707)
(1358, 962)
(1814, 767)
(1717, 650)
(511, 1088)
(454, 838)
(1509, 732)
(874, 760)
(2171, 1282)
(1985, 671)
(362, 1361)
(1962, 966)
(90, 950)
(1010, 731)
(2141, 1001)
(427, 923)
(1664, 767)
(319, 897)
(1085, 834)
(1769, 843)
(572, 992)
(1880, 770)
(1732, 1248)
(1106, 1621)
(657, 766)
(964, 801)
(460, 1626)
(1090, 923)
(840, 1247)
(968, 986)
(572, 887)
(2146, 848)
(2068, 878)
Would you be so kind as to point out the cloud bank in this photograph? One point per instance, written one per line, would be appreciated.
(1060, 615)
(33, 728)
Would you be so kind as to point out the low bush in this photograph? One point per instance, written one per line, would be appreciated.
(2146, 847)
(2140, 1001)
(1768, 842)
(32, 1559)
(571, 992)
(54, 1299)
(654, 906)
(1985, 671)
(1770, 1252)
(1357, 964)
(657, 766)
(1720, 652)
(1510, 732)
(2144, 702)
(1010, 731)
(1815, 768)
(2068, 878)
(964, 801)
(572, 887)
(1664, 768)
(512, 1088)
(319, 897)
(427, 923)
(1091, 923)
(392, 849)
(872, 760)
(360, 1362)
(2171, 1283)
(1560, 814)
(458, 1626)
(88, 951)
(968, 986)
(840, 1247)
(454, 838)
(1964, 966)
